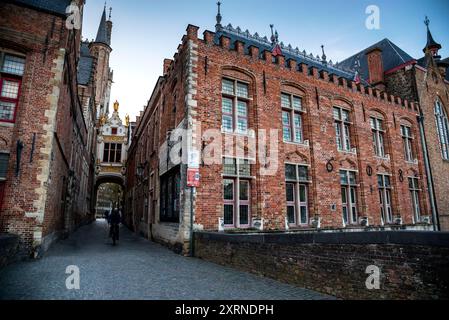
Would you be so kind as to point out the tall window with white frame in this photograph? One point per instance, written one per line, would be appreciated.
(378, 131)
(407, 141)
(348, 181)
(413, 183)
(385, 198)
(442, 129)
(12, 69)
(237, 193)
(292, 120)
(112, 153)
(235, 106)
(297, 180)
(342, 125)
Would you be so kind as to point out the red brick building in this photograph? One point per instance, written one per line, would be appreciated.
(426, 81)
(288, 141)
(46, 132)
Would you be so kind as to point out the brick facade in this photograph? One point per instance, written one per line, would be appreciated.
(193, 84)
(425, 83)
(49, 196)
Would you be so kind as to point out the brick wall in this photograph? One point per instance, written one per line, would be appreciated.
(199, 84)
(412, 265)
(36, 206)
(431, 87)
(320, 92)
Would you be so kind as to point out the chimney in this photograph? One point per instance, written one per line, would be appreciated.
(376, 68)
(167, 64)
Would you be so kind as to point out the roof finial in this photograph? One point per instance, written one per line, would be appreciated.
(273, 37)
(324, 58)
(110, 13)
(427, 22)
(219, 17)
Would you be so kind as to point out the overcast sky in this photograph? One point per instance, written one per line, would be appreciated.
(147, 31)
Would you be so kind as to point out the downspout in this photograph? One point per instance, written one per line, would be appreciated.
(436, 222)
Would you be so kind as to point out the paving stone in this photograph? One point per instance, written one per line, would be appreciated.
(135, 269)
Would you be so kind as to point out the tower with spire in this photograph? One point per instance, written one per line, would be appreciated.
(101, 50)
(432, 46)
(218, 26)
(432, 58)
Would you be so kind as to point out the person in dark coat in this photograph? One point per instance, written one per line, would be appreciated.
(115, 218)
(106, 215)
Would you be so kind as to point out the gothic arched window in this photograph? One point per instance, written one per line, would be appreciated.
(442, 129)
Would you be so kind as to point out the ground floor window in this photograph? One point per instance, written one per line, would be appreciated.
(237, 193)
(414, 193)
(386, 211)
(348, 183)
(170, 196)
(297, 194)
(4, 162)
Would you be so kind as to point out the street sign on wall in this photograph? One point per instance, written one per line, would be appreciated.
(194, 159)
(193, 178)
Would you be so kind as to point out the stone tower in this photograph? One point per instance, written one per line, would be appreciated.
(101, 50)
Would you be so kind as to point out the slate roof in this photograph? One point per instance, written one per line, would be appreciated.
(392, 57)
(102, 33)
(288, 51)
(423, 63)
(85, 65)
(431, 43)
(52, 6)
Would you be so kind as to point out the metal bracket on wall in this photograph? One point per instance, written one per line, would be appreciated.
(330, 166)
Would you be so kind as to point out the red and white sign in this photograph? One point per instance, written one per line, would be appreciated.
(193, 178)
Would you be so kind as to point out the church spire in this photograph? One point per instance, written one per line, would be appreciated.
(103, 32)
(432, 46)
(218, 26)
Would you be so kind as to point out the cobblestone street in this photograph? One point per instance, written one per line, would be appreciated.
(136, 269)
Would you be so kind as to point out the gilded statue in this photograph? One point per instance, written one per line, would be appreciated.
(116, 106)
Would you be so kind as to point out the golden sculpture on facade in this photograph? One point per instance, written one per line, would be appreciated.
(116, 106)
(102, 120)
(127, 120)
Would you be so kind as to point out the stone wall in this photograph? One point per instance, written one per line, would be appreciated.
(413, 265)
(9, 248)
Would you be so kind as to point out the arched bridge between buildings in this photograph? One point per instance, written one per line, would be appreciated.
(113, 179)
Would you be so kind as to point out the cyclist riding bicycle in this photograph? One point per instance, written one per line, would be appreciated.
(115, 219)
